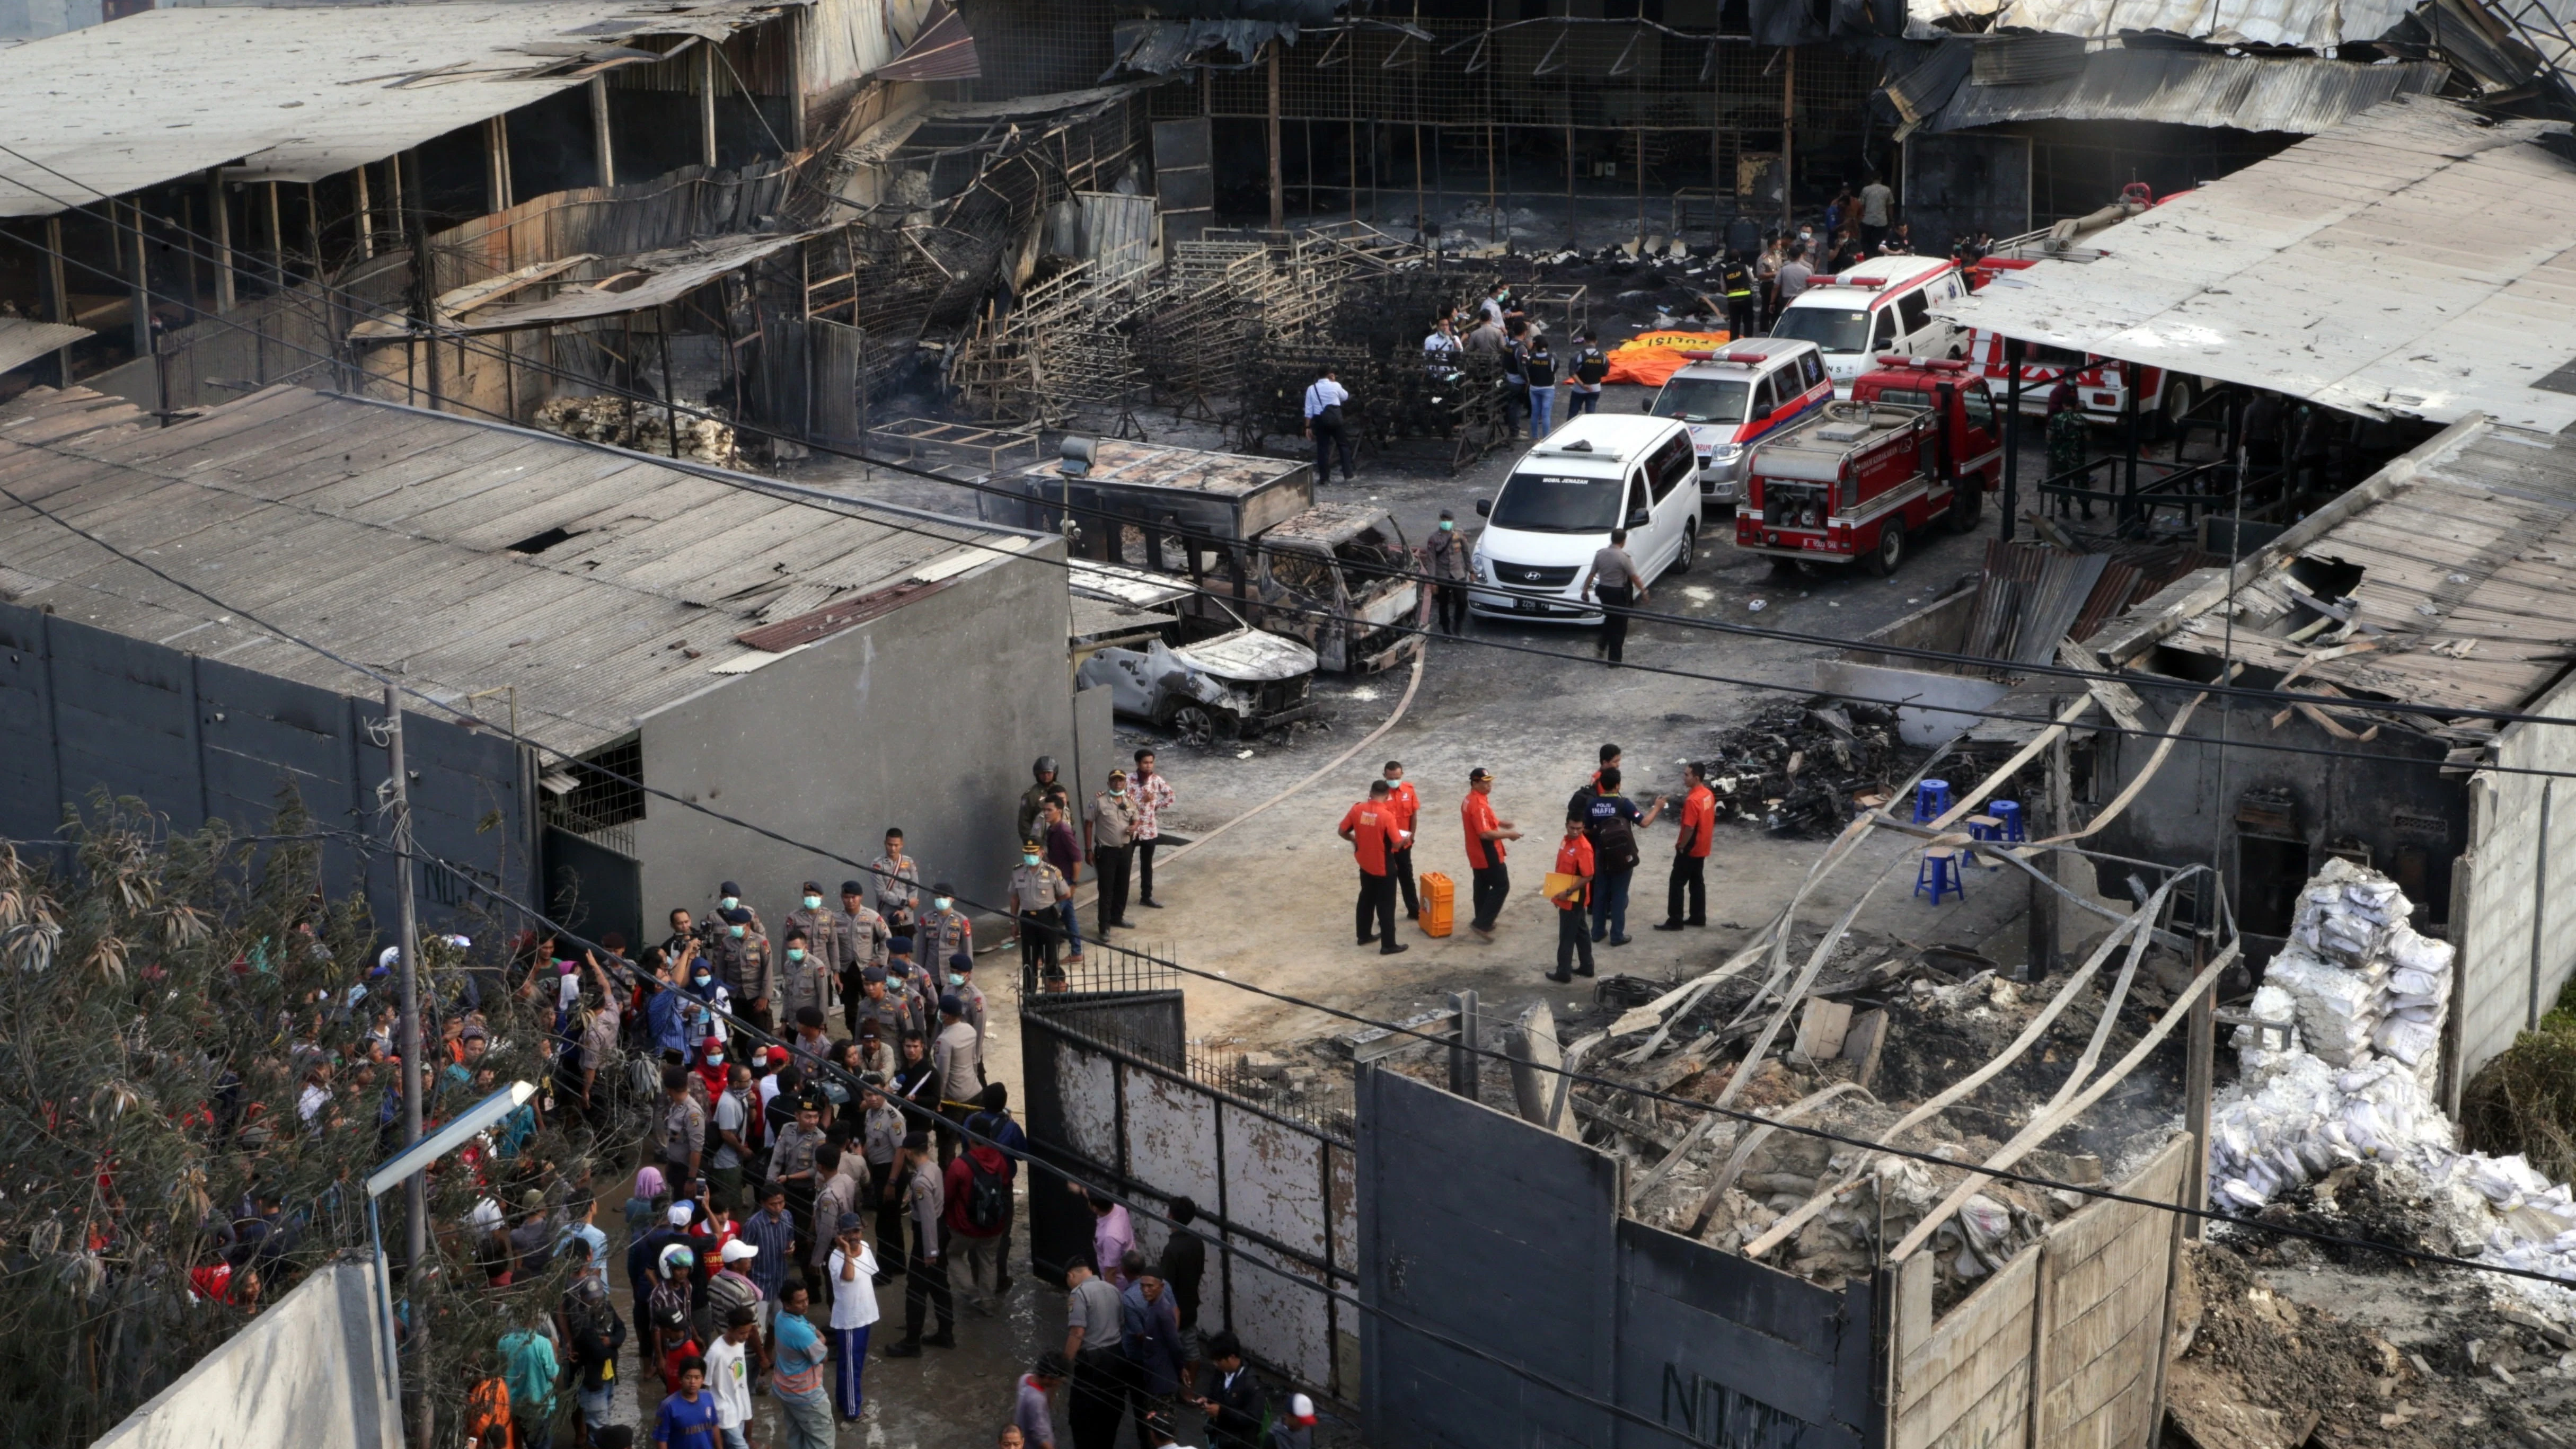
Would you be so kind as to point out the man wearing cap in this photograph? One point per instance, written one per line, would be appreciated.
(729, 1289)
(733, 1117)
(898, 884)
(925, 1284)
(1108, 838)
(1033, 799)
(1372, 829)
(961, 980)
(861, 935)
(729, 898)
(791, 1162)
(1036, 890)
(811, 974)
(1151, 789)
(741, 956)
(958, 1057)
(1450, 575)
(944, 931)
(1485, 837)
(881, 1134)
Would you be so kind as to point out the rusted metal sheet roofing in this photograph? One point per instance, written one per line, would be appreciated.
(2415, 261)
(630, 284)
(600, 585)
(2303, 24)
(299, 94)
(2194, 88)
(2464, 545)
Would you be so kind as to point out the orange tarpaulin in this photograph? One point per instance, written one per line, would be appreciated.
(1650, 357)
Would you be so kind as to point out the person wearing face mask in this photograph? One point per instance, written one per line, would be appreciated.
(1451, 575)
(863, 935)
(1036, 889)
(1033, 799)
(741, 956)
(1109, 833)
(959, 981)
(822, 927)
(802, 978)
(1795, 273)
(898, 881)
(729, 898)
(704, 1003)
(944, 928)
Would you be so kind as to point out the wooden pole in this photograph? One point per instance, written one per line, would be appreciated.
(2197, 1072)
(276, 239)
(2012, 437)
(58, 295)
(366, 217)
(670, 399)
(1278, 184)
(707, 102)
(142, 282)
(424, 280)
(496, 164)
(602, 146)
(2044, 902)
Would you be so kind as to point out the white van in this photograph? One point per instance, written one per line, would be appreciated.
(1883, 305)
(1562, 499)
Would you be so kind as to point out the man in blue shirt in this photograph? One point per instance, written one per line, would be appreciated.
(1612, 821)
(688, 1417)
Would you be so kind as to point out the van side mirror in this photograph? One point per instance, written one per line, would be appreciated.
(1484, 508)
(1761, 410)
(1638, 517)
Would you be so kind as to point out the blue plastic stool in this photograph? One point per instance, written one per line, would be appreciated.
(1937, 874)
(2010, 814)
(1985, 830)
(1931, 799)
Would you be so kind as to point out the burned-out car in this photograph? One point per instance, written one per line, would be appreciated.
(1247, 535)
(1241, 683)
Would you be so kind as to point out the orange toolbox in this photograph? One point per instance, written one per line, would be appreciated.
(1439, 903)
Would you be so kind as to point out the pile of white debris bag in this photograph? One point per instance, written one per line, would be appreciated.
(2363, 997)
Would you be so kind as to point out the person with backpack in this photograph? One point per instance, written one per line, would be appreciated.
(1583, 377)
(977, 1197)
(1611, 821)
(992, 1123)
(1538, 365)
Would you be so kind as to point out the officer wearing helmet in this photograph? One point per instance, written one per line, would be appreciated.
(1033, 800)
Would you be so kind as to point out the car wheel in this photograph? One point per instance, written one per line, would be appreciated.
(2180, 398)
(1195, 724)
(1785, 568)
(1689, 550)
(1969, 504)
(1890, 552)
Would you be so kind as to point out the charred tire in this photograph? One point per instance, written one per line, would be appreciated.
(1198, 725)
(1890, 553)
(1968, 505)
(1690, 550)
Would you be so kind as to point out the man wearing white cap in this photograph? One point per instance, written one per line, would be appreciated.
(729, 1289)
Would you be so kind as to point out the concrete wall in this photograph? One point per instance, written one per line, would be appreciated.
(309, 1370)
(2508, 974)
(2386, 796)
(925, 719)
(2070, 1326)
(196, 739)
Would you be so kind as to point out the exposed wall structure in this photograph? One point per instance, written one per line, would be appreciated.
(2518, 944)
(870, 728)
(310, 1369)
(2070, 1326)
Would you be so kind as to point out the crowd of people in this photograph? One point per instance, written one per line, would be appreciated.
(1596, 859)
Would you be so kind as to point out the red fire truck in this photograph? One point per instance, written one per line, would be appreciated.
(2101, 383)
(1919, 443)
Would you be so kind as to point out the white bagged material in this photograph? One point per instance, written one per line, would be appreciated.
(2257, 1049)
(2408, 1041)
(2408, 951)
(2336, 1009)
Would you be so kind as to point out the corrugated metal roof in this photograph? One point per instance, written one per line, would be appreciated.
(644, 282)
(23, 340)
(2464, 590)
(2195, 88)
(296, 95)
(2413, 261)
(381, 533)
(2305, 24)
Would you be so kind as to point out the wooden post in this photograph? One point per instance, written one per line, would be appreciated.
(221, 212)
(1278, 186)
(1463, 1061)
(312, 230)
(424, 283)
(603, 147)
(707, 101)
(1573, 217)
(142, 281)
(2043, 1327)
(276, 241)
(796, 22)
(366, 217)
(496, 164)
(2197, 1070)
(58, 294)
(2012, 436)
(670, 399)
(1788, 140)
(2045, 913)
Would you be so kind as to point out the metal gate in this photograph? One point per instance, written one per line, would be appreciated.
(1117, 1100)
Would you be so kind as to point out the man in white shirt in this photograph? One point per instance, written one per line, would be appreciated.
(852, 1269)
(1440, 349)
(729, 1376)
(1877, 210)
(1324, 399)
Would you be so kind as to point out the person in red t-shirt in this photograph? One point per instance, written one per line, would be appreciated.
(1373, 828)
(1574, 858)
(1485, 837)
(1399, 858)
(1690, 852)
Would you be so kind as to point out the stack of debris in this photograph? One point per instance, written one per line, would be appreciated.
(625, 423)
(1801, 769)
(2360, 997)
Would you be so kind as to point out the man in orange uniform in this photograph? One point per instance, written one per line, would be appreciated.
(1574, 858)
(1372, 829)
(1485, 837)
(1399, 859)
(1690, 853)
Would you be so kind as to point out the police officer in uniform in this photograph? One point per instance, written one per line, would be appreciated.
(1583, 376)
(1735, 279)
(1036, 890)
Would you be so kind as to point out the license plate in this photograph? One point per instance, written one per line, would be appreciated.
(1527, 606)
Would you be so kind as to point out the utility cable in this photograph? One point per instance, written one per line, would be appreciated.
(460, 338)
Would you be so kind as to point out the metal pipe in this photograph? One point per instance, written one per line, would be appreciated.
(2012, 437)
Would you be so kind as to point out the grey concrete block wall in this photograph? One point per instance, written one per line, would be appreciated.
(2508, 973)
(927, 719)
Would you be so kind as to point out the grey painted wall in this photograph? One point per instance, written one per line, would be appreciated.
(927, 719)
(308, 1370)
(194, 738)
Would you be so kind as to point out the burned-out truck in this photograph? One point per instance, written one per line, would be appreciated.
(1247, 534)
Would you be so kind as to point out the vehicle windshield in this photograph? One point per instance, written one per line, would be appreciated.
(1703, 399)
(1835, 329)
(1552, 503)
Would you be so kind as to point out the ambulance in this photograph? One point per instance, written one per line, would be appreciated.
(1883, 305)
(1735, 397)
